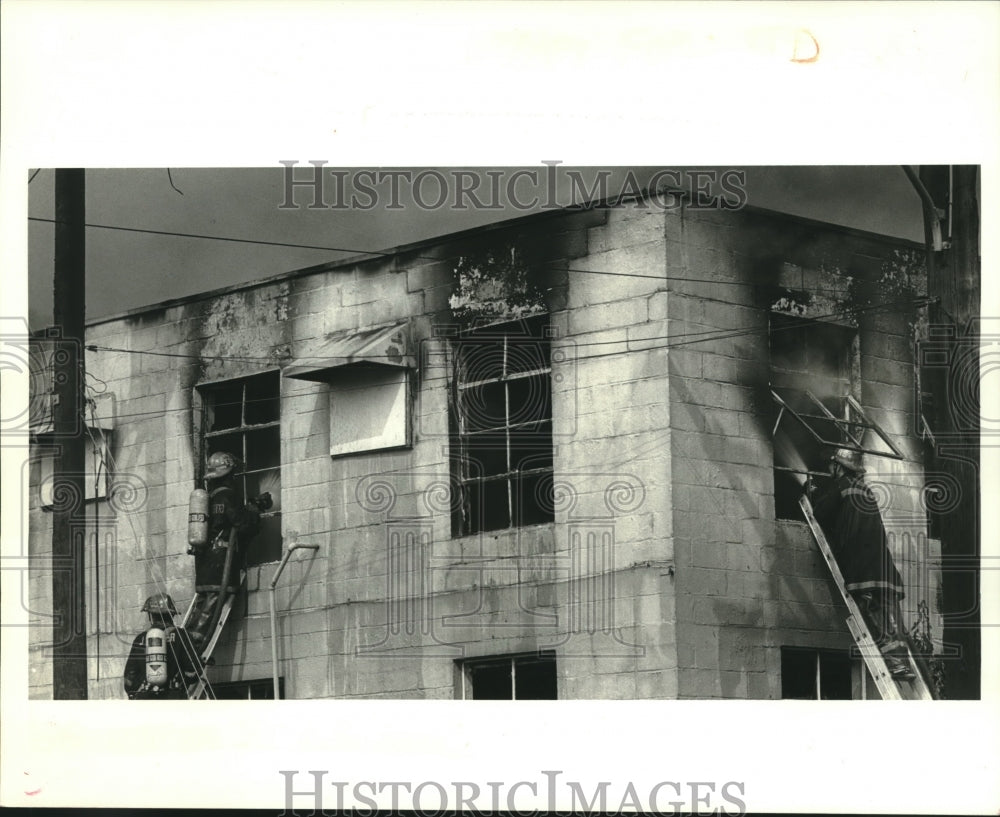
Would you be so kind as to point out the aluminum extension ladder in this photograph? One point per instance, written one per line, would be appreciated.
(889, 688)
(198, 688)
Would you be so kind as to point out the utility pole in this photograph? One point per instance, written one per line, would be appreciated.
(954, 282)
(69, 632)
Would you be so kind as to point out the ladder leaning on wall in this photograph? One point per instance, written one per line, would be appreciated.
(200, 686)
(889, 688)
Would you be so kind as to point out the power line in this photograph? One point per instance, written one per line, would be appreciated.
(684, 339)
(350, 250)
(212, 237)
(388, 254)
(710, 334)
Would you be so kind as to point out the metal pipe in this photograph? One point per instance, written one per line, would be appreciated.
(274, 612)
(932, 226)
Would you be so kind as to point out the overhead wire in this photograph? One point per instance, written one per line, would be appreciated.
(673, 341)
(353, 251)
(110, 466)
(680, 339)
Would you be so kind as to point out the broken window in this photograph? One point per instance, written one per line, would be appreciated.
(510, 678)
(242, 417)
(814, 379)
(811, 380)
(502, 427)
(816, 674)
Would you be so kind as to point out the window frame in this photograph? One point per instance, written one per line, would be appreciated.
(787, 376)
(465, 668)
(857, 419)
(857, 673)
(206, 406)
(535, 329)
(250, 685)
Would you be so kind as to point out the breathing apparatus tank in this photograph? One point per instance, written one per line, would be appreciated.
(198, 518)
(156, 657)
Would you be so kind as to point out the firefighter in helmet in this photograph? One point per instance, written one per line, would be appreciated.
(162, 661)
(846, 508)
(217, 560)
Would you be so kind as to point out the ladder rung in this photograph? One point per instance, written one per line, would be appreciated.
(872, 656)
(199, 687)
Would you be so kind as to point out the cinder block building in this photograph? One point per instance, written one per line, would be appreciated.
(558, 457)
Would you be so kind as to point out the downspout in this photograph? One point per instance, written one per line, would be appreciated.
(932, 226)
(274, 612)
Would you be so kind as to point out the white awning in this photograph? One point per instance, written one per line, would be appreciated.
(385, 345)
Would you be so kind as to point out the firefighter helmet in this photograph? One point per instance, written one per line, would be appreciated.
(851, 460)
(159, 605)
(221, 464)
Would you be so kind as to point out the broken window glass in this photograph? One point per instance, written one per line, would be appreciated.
(225, 410)
(242, 417)
(810, 375)
(812, 387)
(502, 426)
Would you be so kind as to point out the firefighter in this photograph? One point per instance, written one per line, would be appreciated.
(846, 508)
(217, 562)
(162, 661)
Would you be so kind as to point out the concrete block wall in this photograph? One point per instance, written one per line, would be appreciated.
(352, 621)
(664, 573)
(746, 583)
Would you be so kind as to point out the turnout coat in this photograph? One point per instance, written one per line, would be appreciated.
(847, 510)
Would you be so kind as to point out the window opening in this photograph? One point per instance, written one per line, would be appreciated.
(507, 678)
(502, 427)
(816, 674)
(243, 417)
(814, 378)
(257, 690)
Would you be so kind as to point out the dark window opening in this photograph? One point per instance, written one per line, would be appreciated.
(815, 674)
(521, 677)
(811, 377)
(258, 690)
(243, 418)
(501, 427)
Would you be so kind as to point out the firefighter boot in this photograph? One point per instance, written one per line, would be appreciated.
(899, 669)
(199, 632)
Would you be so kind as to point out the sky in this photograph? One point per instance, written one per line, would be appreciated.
(126, 270)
